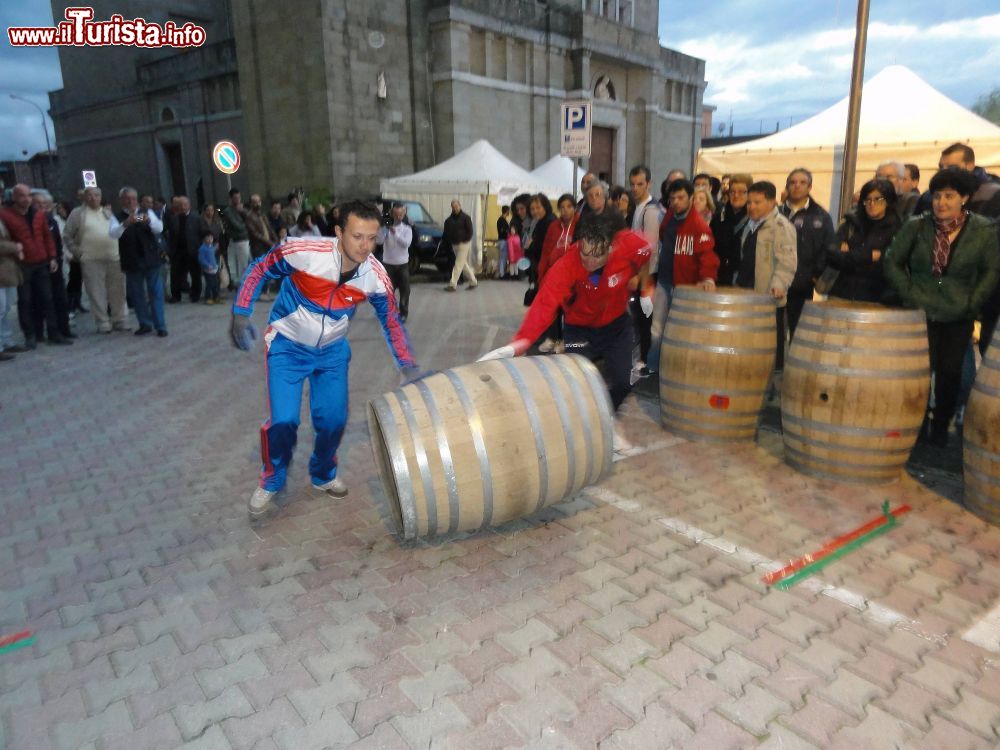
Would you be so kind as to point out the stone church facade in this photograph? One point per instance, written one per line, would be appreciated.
(332, 94)
(148, 118)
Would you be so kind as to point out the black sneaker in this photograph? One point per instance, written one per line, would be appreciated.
(162, 333)
(18, 349)
(142, 331)
(60, 341)
(4, 357)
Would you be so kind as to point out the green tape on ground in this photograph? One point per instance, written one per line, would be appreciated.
(17, 644)
(813, 568)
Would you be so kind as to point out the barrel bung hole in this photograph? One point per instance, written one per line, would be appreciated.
(824, 397)
(485, 378)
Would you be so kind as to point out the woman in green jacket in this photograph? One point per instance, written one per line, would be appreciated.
(946, 262)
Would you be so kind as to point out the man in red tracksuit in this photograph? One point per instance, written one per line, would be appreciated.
(590, 284)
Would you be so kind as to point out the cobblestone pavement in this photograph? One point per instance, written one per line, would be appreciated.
(632, 616)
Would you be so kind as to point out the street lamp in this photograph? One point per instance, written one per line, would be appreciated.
(45, 129)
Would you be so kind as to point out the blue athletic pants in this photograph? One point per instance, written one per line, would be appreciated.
(289, 364)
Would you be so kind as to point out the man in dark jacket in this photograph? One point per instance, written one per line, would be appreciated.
(41, 200)
(458, 232)
(814, 234)
(30, 227)
(183, 240)
(137, 231)
(909, 191)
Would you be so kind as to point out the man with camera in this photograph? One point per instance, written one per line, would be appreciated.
(137, 231)
(395, 237)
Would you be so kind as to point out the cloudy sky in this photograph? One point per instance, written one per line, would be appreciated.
(30, 73)
(787, 59)
(767, 61)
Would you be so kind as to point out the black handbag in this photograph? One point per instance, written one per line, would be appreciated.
(529, 295)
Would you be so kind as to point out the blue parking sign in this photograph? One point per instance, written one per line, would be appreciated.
(574, 127)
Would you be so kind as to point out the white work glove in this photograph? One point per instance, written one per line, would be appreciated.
(504, 352)
(646, 303)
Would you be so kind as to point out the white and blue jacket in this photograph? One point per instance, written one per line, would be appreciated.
(314, 308)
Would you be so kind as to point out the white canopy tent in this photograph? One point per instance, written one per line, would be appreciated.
(558, 172)
(470, 176)
(902, 119)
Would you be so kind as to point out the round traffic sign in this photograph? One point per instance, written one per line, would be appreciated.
(226, 157)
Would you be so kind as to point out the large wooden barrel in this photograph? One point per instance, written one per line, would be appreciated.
(855, 390)
(716, 357)
(981, 433)
(486, 443)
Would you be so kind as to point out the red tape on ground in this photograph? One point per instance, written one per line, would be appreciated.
(831, 547)
(8, 639)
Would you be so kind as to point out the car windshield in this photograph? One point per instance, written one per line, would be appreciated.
(416, 212)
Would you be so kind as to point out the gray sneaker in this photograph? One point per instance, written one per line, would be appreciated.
(334, 488)
(261, 504)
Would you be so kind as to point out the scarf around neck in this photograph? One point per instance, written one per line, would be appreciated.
(942, 243)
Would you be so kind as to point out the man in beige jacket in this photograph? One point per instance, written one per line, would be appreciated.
(768, 255)
(10, 278)
(86, 238)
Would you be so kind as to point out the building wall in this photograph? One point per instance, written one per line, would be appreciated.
(501, 75)
(303, 103)
(309, 93)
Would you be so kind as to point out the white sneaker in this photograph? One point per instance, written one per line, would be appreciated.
(334, 488)
(546, 346)
(618, 442)
(560, 348)
(261, 504)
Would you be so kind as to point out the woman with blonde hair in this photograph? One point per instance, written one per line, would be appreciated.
(702, 202)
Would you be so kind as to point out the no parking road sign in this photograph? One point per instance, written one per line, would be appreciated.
(226, 157)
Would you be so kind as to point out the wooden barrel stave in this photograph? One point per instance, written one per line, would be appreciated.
(855, 389)
(981, 435)
(716, 357)
(486, 443)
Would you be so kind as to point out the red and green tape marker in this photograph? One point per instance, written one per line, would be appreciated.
(18, 640)
(810, 564)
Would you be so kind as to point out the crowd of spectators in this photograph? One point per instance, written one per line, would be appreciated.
(935, 250)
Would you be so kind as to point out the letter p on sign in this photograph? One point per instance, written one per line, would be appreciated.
(576, 118)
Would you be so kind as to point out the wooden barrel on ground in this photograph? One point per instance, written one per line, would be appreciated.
(715, 360)
(855, 389)
(981, 434)
(486, 443)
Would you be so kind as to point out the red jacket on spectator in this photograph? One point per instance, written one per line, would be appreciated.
(693, 251)
(39, 247)
(584, 301)
(557, 240)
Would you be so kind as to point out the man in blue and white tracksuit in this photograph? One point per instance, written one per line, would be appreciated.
(324, 279)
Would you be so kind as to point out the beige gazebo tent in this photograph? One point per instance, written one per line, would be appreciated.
(902, 119)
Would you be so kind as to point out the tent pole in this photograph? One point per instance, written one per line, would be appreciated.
(854, 110)
(572, 188)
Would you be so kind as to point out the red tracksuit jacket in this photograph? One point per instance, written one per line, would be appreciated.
(568, 285)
